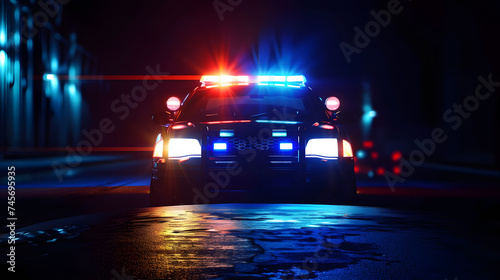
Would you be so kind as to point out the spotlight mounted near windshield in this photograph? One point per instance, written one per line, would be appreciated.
(332, 103)
(173, 103)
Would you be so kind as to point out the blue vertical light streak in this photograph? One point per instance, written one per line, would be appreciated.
(368, 112)
(3, 58)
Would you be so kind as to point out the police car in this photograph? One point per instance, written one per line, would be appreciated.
(251, 139)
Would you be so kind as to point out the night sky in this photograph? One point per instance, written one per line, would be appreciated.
(427, 57)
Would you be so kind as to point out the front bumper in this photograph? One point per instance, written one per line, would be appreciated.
(190, 182)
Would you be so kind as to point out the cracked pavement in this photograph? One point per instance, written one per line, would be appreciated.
(256, 241)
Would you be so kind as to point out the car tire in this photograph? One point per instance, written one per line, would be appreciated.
(169, 191)
(157, 193)
(332, 191)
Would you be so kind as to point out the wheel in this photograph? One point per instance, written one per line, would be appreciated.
(348, 194)
(332, 190)
(171, 190)
(157, 193)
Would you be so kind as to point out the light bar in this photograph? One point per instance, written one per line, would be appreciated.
(220, 146)
(233, 79)
(276, 80)
(223, 80)
(279, 133)
(276, 121)
(210, 79)
(225, 122)
(294, 79)
(226, 133)
(263, 79)
(286, 146)
(291, 81)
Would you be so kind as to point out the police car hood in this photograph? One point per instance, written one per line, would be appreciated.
(259, 127)
(269, 128)
(245, 128)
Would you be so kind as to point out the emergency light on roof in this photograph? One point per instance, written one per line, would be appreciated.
(225, 80)
(264, 79)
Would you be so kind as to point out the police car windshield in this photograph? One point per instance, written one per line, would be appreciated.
(247, 102)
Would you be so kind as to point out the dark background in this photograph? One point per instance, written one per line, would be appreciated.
(398, 87)
(427, 58)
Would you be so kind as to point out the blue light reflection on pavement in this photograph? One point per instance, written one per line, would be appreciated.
(98, 170)
(272, 241)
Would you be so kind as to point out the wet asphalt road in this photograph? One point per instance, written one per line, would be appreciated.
(97, 224)
(256, 241)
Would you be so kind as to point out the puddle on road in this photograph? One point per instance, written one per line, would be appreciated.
(243, 244)
(278, 243)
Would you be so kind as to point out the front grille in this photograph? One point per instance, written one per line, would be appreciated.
(251, 150)
(251, 144)
(254, 151)
(254, 143)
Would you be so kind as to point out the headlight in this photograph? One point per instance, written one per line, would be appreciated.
(324, 148)
(158, 152)
(347, 149)
(183, 148)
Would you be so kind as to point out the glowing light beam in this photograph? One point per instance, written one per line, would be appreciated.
(127, 77)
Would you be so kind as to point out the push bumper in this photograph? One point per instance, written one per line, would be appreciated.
(190, 183)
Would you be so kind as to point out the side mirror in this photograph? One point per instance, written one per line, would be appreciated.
(332, 103)
(173, 103)
(162, 118)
